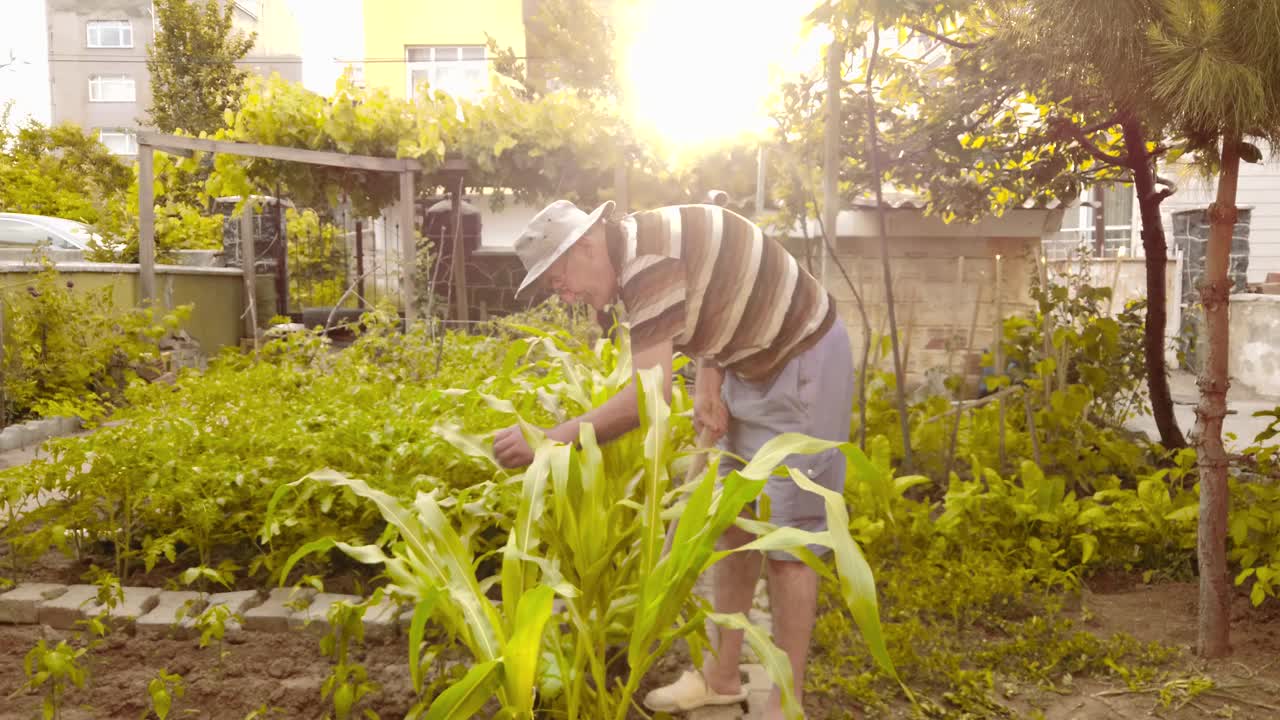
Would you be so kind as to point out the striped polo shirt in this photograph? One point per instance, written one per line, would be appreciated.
(709, 280)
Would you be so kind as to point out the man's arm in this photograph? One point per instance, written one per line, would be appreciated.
(621, 413)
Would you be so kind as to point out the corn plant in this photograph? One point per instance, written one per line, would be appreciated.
(589, 527)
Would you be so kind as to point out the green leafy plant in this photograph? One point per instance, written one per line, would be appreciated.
(589, 527)
(348, 681)
(55, 669)
(72, 352)
(163, 689)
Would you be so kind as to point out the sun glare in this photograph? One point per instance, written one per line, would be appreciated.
(701, 71)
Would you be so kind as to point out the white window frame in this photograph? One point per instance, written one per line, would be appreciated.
(432, 65)
(130, 140)
(125, 26)
(98, 83)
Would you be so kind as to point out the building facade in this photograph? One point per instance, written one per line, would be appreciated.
(98, 60)
(412, 44)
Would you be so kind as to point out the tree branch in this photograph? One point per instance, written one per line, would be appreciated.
(1077, 133)
(1168, 190)
(944, 39)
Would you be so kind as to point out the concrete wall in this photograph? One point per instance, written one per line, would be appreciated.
(1127, 277)
(944, 276)
(217, 293)
(1254, 356)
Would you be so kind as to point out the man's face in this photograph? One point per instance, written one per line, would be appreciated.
(566, 277)
(583, 273)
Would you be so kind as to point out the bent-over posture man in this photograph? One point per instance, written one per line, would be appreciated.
(773, 357)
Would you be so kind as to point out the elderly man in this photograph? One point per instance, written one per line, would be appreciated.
(773, 357)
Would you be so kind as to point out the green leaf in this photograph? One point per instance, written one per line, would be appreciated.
(775, 662)
(464, 698)
(521, 653)
(1187, 513)
(857, 584)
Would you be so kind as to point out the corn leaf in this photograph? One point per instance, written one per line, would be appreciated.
(775, 661)
(464, 698)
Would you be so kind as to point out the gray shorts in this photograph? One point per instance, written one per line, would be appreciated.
(813, 395)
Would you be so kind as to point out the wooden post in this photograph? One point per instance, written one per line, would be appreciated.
(408, 249)
(831, 157)
(1099, 223)
(248, 261)
(360, 264)
(999, 351)
(459, 255)
(146, 225)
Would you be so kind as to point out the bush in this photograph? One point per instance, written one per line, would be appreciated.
(69, 352)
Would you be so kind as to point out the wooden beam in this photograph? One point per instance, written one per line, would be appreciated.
(248, 260)
(179, 144)
(146, 226)
(408, 249)
(459, 256)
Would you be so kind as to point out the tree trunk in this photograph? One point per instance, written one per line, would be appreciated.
(1215, 587)
(1157, 254)
(873, 157)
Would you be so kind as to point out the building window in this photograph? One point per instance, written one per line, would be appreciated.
(460, 71)
(112, 88)
(119, 142)
(110, 34)
(1078, 232)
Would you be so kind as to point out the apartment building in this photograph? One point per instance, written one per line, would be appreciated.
(98, 53)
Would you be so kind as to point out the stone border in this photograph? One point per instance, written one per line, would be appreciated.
(157, 612)
(160, 613)
(35, 432)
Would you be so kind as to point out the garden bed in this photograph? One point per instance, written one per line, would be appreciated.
(283, 672)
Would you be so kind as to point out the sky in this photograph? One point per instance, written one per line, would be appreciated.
(330, 29)
(713, 88)
(26, 81)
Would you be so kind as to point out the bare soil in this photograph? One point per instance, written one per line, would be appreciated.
(283, 673)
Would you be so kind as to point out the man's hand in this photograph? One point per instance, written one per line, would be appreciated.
(710, 416)
(511, 449)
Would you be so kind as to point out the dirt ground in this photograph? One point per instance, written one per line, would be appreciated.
(283, 672)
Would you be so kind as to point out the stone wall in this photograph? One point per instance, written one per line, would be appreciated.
(492, 279)
(1191, 238)
(944, 289)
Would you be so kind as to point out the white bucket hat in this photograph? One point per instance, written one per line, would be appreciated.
(550, 233)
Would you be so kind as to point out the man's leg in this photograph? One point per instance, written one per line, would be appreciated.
(793, 600)
(735, 586)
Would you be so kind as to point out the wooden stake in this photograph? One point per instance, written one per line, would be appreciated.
(999, 342)
(248, 262)
(146, 225)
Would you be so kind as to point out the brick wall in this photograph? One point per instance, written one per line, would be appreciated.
(937, 282)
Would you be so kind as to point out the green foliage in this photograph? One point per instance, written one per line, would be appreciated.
(192, 61)
(56, 669)
(61, 172)
(72, 352)
(163, 689)
(589, 523)
(348, 681)
(317, 260)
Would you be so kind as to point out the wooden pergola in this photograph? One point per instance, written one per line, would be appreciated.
(148, 142)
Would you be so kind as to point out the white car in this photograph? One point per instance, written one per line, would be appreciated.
(26, 232)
